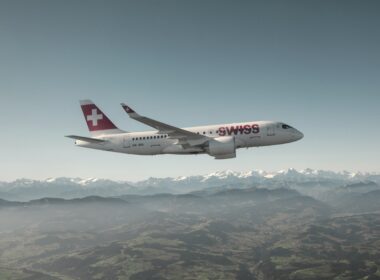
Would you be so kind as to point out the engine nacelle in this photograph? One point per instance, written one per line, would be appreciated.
(222, 147)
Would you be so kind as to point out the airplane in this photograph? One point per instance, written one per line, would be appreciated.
(219, 141)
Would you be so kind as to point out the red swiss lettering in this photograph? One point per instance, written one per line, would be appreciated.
(222, 131)
(255, 128)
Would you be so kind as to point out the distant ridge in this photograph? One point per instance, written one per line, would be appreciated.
(289, 173)
(248, 193)
(69, 188)
(61, 201)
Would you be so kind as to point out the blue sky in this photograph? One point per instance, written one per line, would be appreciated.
(312, 64)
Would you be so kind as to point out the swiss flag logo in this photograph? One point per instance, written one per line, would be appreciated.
(95, 118)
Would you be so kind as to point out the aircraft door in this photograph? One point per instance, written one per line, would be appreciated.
(271, 130)
(126, 143)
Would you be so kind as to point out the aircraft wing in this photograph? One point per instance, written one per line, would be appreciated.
(86, 139)
(185, 137)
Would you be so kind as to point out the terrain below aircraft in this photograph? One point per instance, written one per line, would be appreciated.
(219, 141)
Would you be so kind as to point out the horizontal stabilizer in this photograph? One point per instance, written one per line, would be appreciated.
(86, 139)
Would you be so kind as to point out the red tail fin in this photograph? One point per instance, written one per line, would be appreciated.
(97, 121)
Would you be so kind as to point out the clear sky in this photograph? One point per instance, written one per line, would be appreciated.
(312, 64)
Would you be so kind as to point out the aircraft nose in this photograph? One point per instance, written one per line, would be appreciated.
(299, 135)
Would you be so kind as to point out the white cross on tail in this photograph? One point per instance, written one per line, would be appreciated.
(94, 117)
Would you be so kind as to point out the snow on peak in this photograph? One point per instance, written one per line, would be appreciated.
(220, 175)
(290, 173)
(355, 174)
(50, 180)
(88, 181)
(181, 178)
(246, 174)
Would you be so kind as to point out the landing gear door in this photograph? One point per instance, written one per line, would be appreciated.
(271, 130)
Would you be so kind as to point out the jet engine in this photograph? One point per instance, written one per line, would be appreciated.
(222, 147)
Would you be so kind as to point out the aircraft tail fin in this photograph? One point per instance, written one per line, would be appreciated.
(97, 122)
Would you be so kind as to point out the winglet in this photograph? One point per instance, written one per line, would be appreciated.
(130, 111)
(127, 109)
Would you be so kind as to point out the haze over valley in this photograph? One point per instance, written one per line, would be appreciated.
(226, 225)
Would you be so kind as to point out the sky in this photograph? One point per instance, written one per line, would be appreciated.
(312, 64)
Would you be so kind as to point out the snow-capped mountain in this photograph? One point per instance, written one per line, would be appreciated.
(26, 189)
(260, 176)
(316, 183)
(308, 181)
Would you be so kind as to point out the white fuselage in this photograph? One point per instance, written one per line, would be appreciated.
(246, 134)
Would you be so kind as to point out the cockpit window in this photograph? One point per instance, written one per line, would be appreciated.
(285, 126)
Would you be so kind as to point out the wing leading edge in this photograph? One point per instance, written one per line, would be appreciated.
(185, 138)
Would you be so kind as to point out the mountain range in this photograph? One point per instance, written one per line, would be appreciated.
(309, 224)
(214, 233)
(309, 182)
